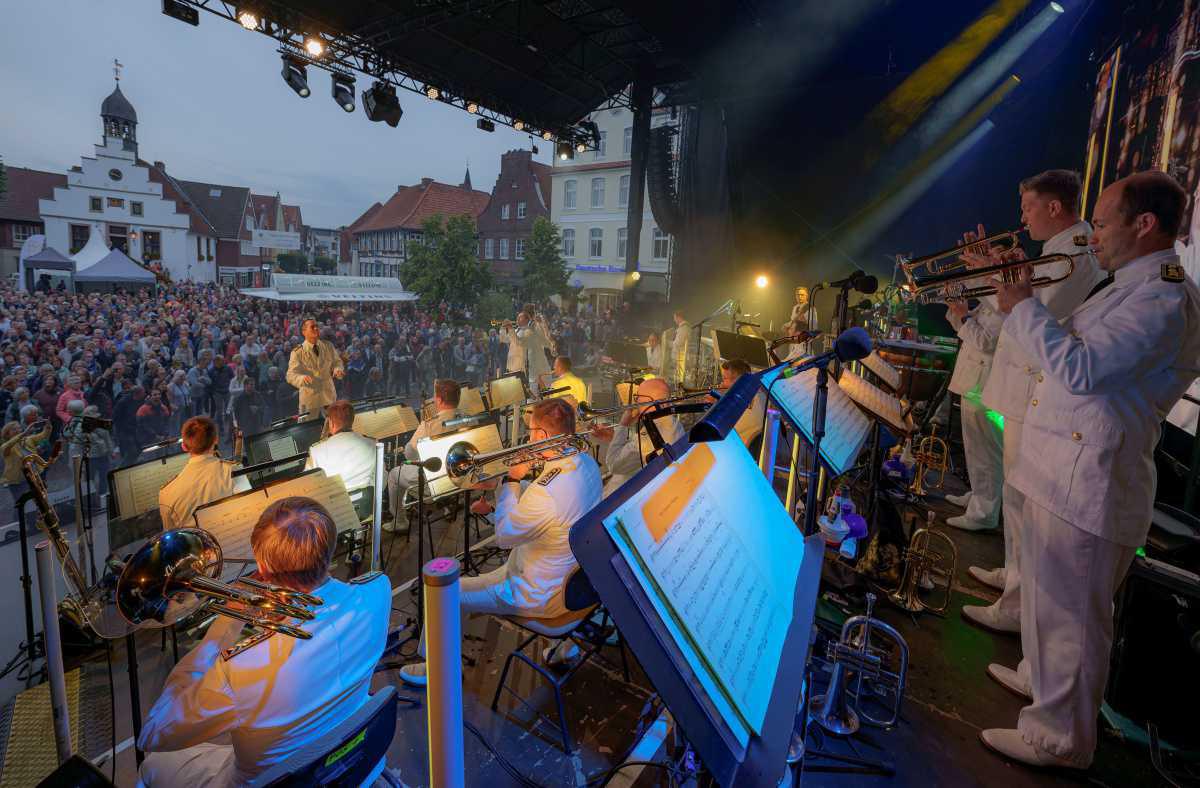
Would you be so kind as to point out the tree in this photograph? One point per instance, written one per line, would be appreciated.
(494, 305)
(444, 265)
(545, 273)
(292, 263)
(324, 264)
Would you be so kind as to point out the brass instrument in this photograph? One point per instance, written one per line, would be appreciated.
(590, 414)
(931, 264)
(868, 661)
(932, 454)
(923, 561)
(465, 465)
(957, 285)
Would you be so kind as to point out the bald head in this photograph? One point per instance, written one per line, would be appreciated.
(652, 389)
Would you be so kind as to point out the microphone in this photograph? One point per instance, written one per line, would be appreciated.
(859, 280)
(433, 464)
(551, 392)
(851, 345)
(803, 336)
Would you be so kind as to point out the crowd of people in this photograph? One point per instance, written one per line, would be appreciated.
(149, 360)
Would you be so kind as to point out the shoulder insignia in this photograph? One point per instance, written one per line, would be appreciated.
(1173, 272)
(362, 580)
(549, 476)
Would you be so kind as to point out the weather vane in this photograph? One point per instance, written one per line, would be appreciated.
(117, 69)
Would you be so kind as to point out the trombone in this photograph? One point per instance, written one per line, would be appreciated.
(932, 265)
(466, 465)
(958, 285)
(590, 414)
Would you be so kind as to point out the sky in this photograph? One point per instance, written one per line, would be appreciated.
(212, 105)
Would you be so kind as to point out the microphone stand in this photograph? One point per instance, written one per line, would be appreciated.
(820, 399)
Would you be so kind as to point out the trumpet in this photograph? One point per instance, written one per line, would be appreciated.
(957, 285)
(932, 265)
(590, 414)
(466, 465)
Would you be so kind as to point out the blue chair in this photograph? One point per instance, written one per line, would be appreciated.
(346, 755)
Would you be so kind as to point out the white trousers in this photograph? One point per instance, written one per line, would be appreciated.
(983, 444)
(1008, 607)
(1070, 579)
(400, 480)
(199, 766)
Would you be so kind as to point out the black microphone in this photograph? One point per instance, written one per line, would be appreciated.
(433, 464)
(859, 280)
(851, 345)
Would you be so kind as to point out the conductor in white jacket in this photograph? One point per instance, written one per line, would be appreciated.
(312, 368)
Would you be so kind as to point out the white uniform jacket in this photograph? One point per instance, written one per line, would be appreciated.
(430, 428)
(516, 351)
(279, 694)
(979, 332)
(205, 478)
(750, 424)
(629, 448)
(535, 525)
(1010, 384)
(320, 366)
(1111, 371)
(346, 454)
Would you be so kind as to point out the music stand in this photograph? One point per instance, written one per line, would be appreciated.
(752, 350)
(133, 489)
(283, 441)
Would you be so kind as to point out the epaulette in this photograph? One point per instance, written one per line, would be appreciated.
(1173, 272)
(362, 580)
(549, 476)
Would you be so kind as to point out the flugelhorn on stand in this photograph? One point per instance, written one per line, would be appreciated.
(924, 564)
(932, 454)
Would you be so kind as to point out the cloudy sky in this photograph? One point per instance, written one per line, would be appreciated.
(212, 105)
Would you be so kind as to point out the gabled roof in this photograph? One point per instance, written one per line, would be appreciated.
(19, 203)
(291, 216)
(344, 251)
(410, 206)
(223, 206)
(264, 211)
(198, 222)
(542, 174)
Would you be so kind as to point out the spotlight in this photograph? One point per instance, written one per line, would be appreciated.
(472, 107)
(483, 124)
(636, 275)
(380, 104)
(564, 151)
(432, 93)
(342, 90)
(181, 11)
(547, 136)
(314, 46)
(760, 281)
(519, 125)
(296, 76)
(1057, 8)
(580, 147)
(247, 18)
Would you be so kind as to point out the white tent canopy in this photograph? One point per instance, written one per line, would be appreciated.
(304, 287)
(93, 251)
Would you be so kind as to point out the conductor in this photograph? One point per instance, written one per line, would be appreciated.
(313, 365)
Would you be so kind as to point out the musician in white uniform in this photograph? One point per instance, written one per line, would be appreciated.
(677, 364)
(749, 425)
(628, 443)
(274, 698)
(1050, 211)
(312, 367)
(344, 453)
(983, 442)
(526, 346)
(1108, 375)
(403, 478)
(535, 525)
(205, 478)
(654, 354)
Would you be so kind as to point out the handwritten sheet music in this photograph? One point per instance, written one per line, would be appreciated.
(385, 422)
(136, 487)
(883, 405)
(718, 557)
(231, 520)
(846, 427)
(485, 439)
(882, 370)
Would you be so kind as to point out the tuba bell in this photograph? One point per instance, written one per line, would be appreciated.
(923, 563)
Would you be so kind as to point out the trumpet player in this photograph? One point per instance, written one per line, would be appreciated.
(278, 696)
(1108, 374)
(527, 343)
(1050, 212)
(534, 524)
(402, 478)
(628, 443)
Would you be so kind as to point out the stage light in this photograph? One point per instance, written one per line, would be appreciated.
(519, 125)
(1057, 8)
(342, 89)
(296, 76)
(432, 93)
(483, 124)
(580, 147)
(247, 18)
(636, 275)
(314, 46)
(761, 281)
(547, 136)
(380, 104)
(564, 151)
(472, 107)
(181, 11)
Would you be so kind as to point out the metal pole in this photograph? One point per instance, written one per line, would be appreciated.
(443, 661)
(377, 510)
(31, 650)
(54, 662)
(770, 441)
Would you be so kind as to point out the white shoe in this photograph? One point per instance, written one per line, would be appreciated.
(563, 654)
(1010, 680)
(1009, 743)
(961, 522)
(992, 578)
(989, 618)
(414, 675)
(959, 500)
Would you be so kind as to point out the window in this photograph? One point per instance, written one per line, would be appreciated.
(199, 253)
(595, 242)
(521, 210)
(623, 194)
(116, 202)
(214, 192)
(208, 247)
(627, 142)
(489, 248)
(603, 146)
(662, 244)
(622, 242)
(503, 248)
(135, 208)
(79, 236)
(597, 192)
(504, 211)
(21, 232)
(519, 250)
(568, 241)
(118, 237)
(569, 194)
(151, 245)
(96, 205)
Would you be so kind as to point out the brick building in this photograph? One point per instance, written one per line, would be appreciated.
(19, 215)
(521, 195)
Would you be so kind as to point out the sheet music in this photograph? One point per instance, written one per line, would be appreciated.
(283, 446)
(385, 422)
(136, 487)
(878, 402)
(470, 402)
(883, 370)
(506, 391)
(231, 520)
(718, 556)
(485, 439)
(846, 427)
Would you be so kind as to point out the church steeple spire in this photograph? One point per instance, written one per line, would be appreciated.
(118, 115)
(466, 184)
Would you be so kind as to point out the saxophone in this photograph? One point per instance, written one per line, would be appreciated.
(32, 467)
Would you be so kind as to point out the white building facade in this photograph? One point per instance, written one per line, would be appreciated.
(590, 206)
